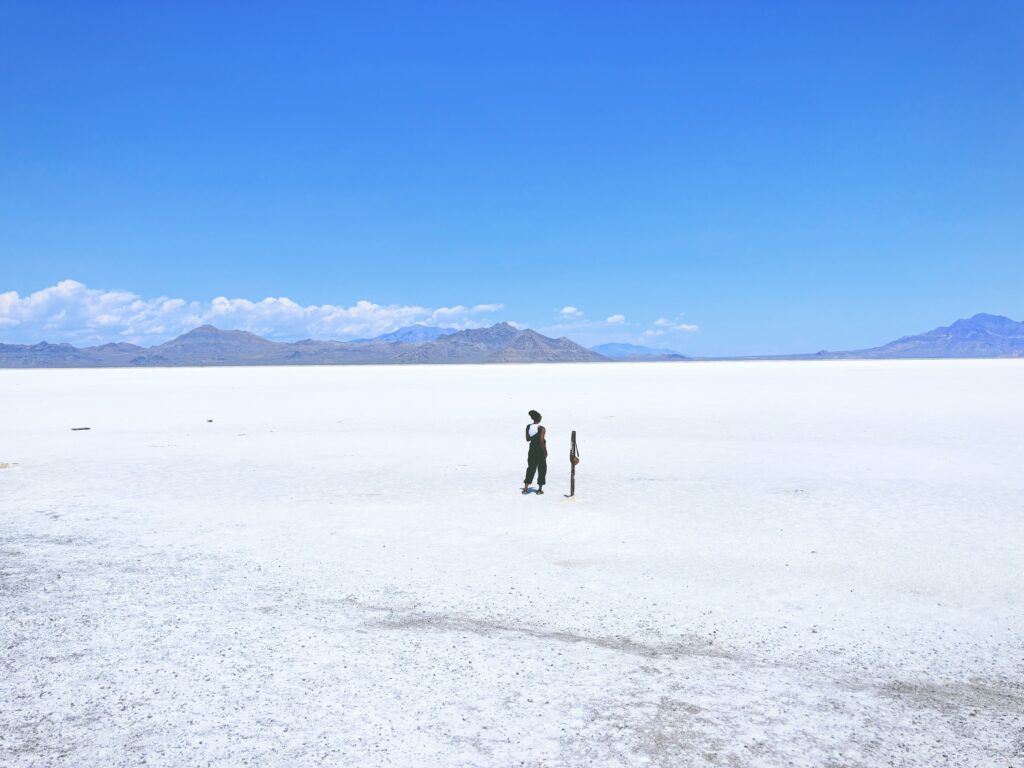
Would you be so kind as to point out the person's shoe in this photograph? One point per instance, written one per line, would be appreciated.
(525, 491)
(540, 490)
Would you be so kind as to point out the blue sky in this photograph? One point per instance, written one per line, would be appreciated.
(758, 177)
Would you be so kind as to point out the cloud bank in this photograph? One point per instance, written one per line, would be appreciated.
(73, 312)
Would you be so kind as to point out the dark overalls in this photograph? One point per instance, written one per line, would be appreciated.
(536, 460)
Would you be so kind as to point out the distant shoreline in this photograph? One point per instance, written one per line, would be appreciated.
(617, 363)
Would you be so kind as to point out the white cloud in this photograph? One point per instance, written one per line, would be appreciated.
(570, 312)
(71, 311)
(616, 320)
(672, 325)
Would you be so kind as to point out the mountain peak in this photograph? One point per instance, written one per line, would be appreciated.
(528, 346)
(983, 320)
(206, 330)
(209, 345)
(410, 334)
(213, 332)
(982, 335)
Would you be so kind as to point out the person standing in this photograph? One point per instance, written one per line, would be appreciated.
(537, 458)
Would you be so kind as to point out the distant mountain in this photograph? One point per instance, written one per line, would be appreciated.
(44, 355)
(471, 346)
(41, 355)
(635, 352)
(979, 336)
(529, 347)
(501, 343)
(411, 334)
(208, 345)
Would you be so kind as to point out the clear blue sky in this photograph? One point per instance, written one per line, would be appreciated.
(786, 176)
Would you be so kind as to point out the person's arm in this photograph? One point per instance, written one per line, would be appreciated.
(543, 441)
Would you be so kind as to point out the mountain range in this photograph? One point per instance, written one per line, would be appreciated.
(979, 336)
(207, 345)
(635, 352)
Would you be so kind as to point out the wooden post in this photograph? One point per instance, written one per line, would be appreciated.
(574, 459)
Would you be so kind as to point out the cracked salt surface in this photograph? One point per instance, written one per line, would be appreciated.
(793, 564)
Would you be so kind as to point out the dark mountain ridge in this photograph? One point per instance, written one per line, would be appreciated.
(207, 345)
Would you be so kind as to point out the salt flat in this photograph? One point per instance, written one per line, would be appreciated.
(768, 564)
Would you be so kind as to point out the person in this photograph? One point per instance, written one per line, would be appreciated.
(537, 458)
